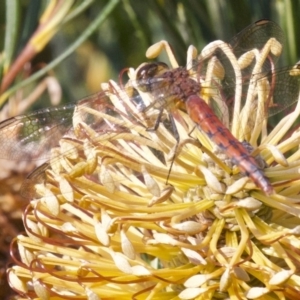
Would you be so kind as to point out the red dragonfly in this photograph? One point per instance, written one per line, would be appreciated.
(33, 134)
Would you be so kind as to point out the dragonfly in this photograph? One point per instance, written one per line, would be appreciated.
(32, 135)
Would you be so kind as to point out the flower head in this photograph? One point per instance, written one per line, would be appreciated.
(106, 223)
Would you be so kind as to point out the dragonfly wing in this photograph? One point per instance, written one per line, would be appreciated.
(286, 89)
(255, 36)
(31, 136)
(252, 38)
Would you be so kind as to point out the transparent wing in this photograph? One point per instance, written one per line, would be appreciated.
(256, 50)
(29, 137)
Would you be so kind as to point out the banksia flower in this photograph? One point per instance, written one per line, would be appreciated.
(125, 211)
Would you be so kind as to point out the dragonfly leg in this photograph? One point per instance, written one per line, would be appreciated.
(175, 134)
(157, 121)
(177, 138)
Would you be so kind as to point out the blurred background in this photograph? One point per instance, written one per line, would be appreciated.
(55, 52)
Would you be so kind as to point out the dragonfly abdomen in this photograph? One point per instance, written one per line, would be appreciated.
(204, 116)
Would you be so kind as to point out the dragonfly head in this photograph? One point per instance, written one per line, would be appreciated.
(148, 75)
